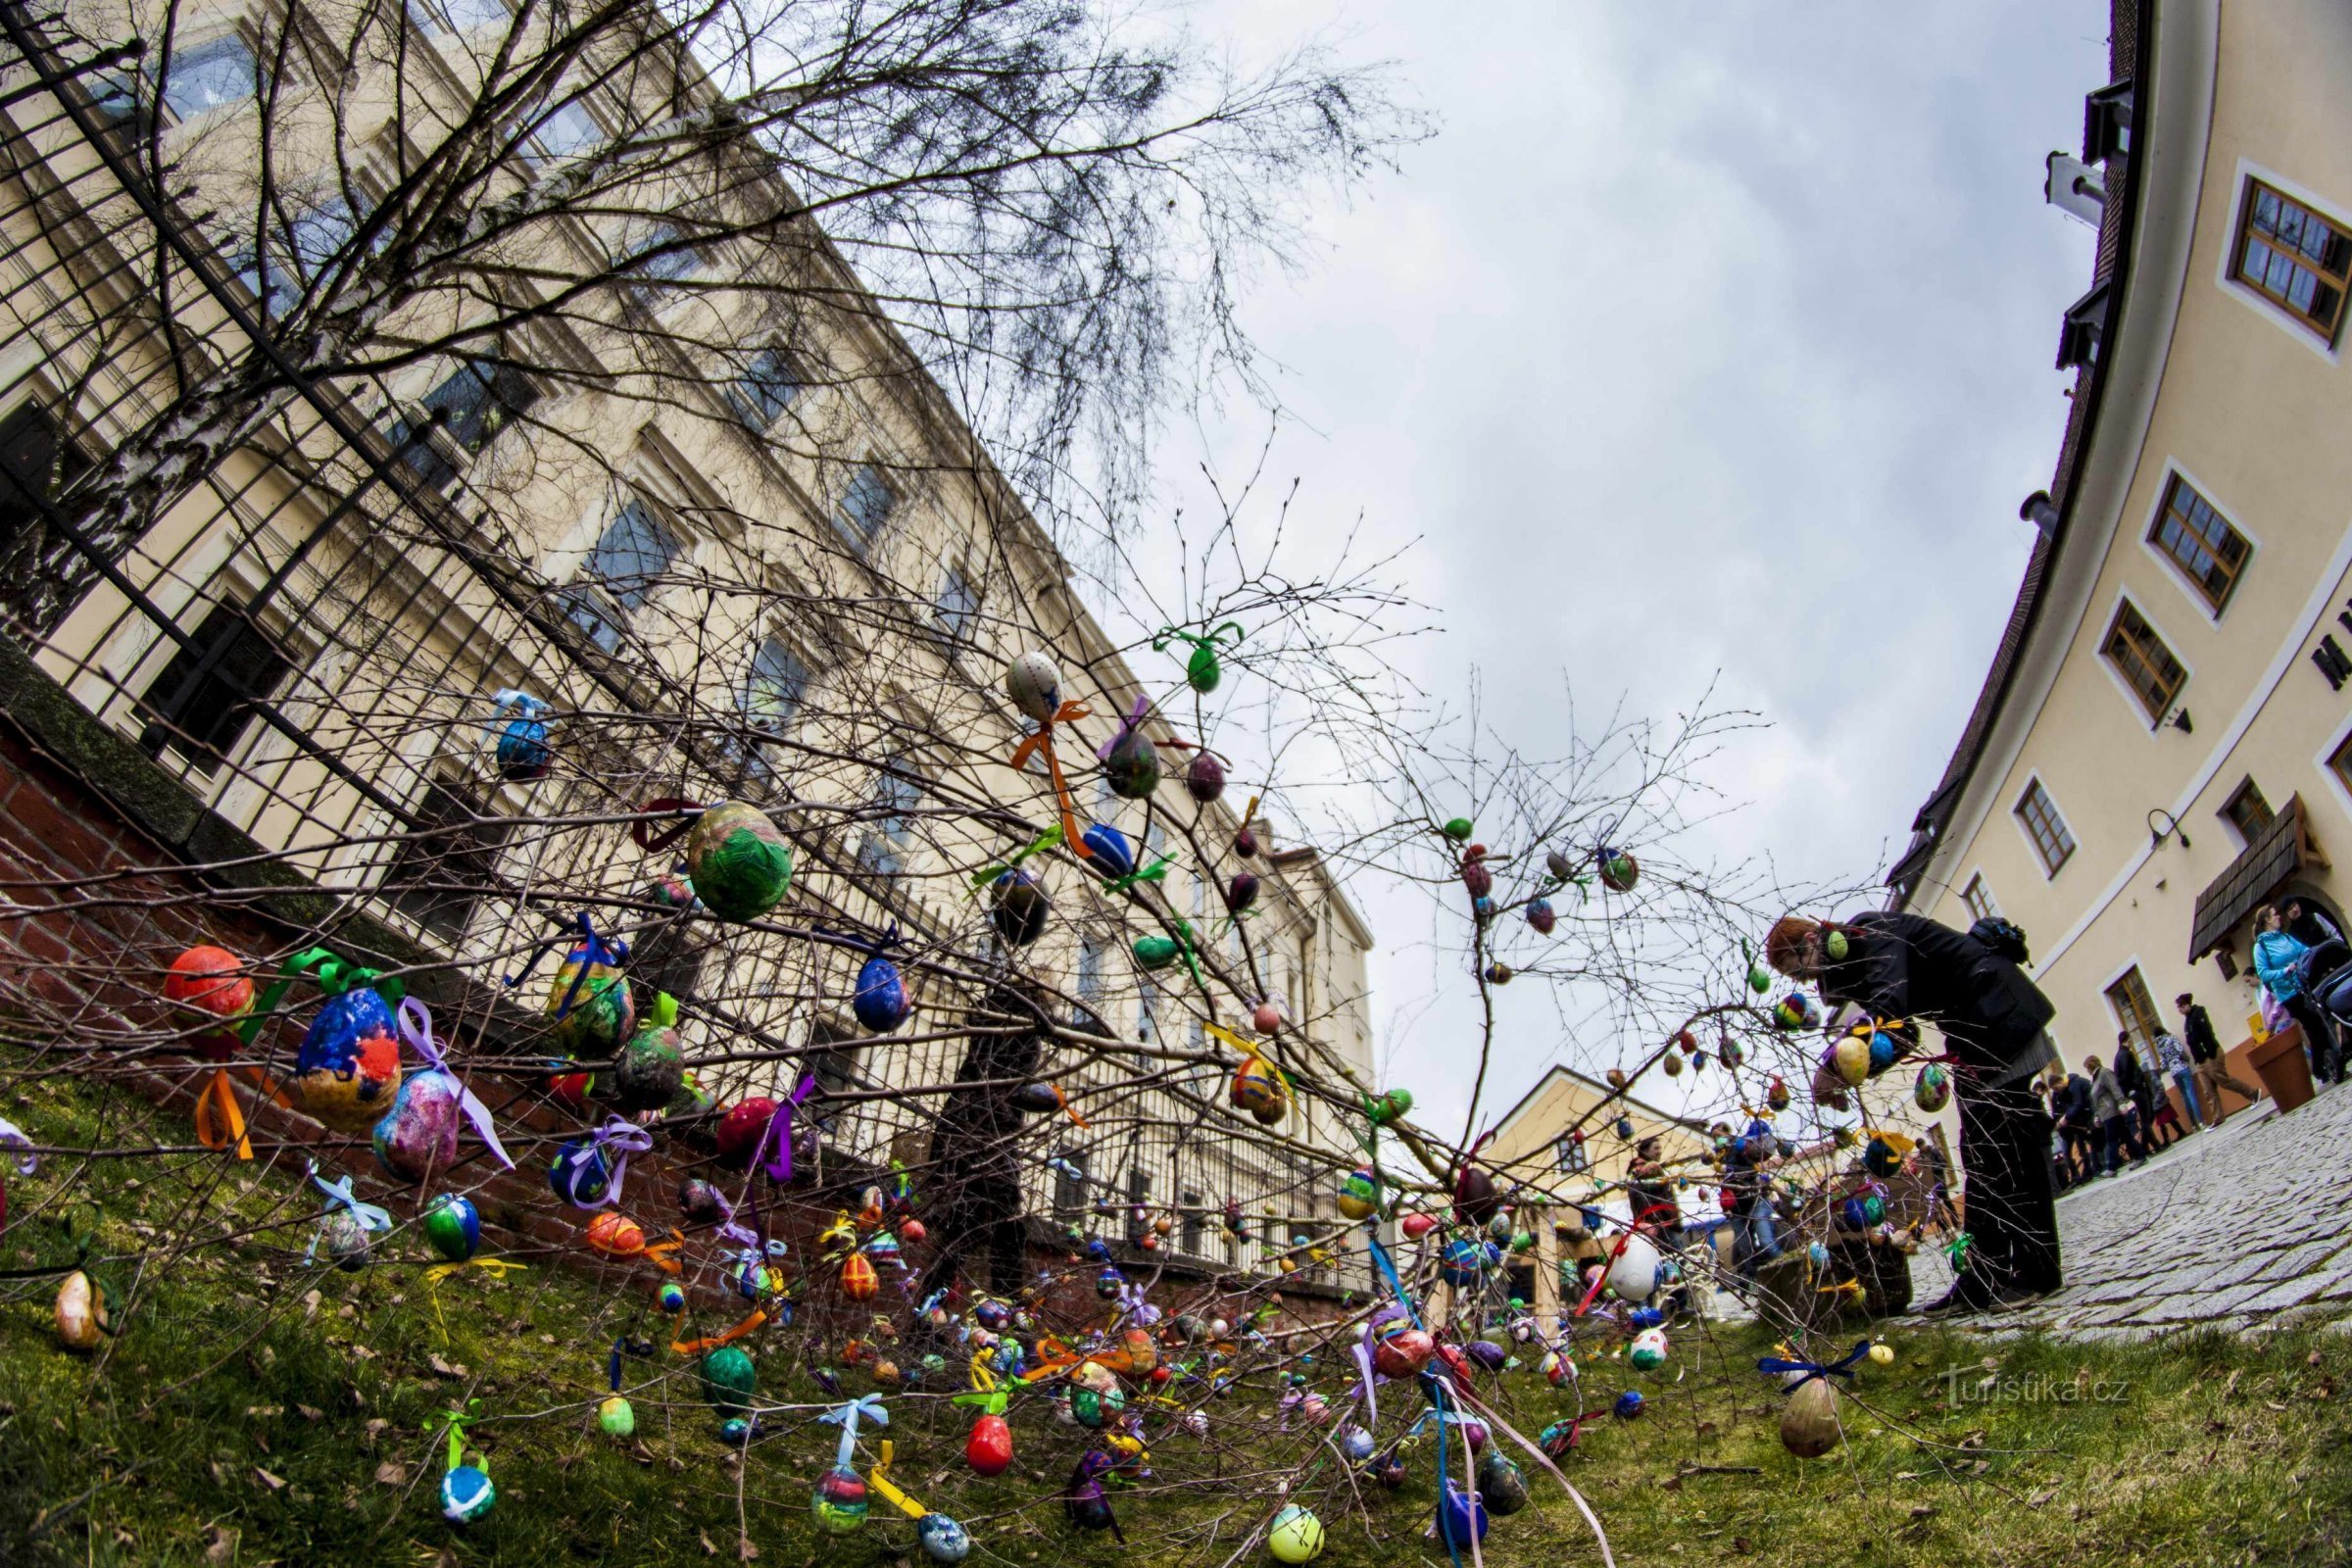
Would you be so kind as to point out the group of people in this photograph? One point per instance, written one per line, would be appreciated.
(2115, 1114)
(2298, 950)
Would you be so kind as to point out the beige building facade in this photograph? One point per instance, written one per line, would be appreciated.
(2165, 739)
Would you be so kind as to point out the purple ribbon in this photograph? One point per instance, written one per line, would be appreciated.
(1134, 1303)
(1363, 1362)
(776, 1145)
(1127, 726)
(417, 1028)
(616, 1141)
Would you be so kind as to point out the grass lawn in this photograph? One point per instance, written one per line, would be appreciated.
(257, 1409)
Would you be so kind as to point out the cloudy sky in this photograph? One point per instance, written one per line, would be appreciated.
(1702, 339)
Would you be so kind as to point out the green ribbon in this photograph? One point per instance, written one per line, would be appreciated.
(1035, 846)
(1956, 1251)
(991, 1400)
(665, 1009)
(1156, 872)
(335, 975)
(456, 1422)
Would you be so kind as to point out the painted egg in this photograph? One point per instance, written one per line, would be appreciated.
(1295, 1535)
(1132, 768)
(1498, 973)
(1477, 878)
(208, 988)
(1417, 1226)
(1113, 853)
(1203, 777)
(1266, 1018)
(1648, 1353)
(701, 1202)
(1797, 1011)
(1673, 1065)
(615, 1418)
(1245, 842)
(737, 1432)
(1459, 829)
(989, 1449)
(1461, 1262)
(880, 1003)
(453, 1227)
(345, 1240)
(1359, 1195)
(1474, 1195)
(1557, 1369)
(1018, 907)
(1557, 1440)
(1880, 1159)
(741, 1130)
(738, 860)
(1629, 1405)
(728, 1377)
(1257, 1090)
(84, 1316)
(348, 1067)
(1730, 1051)
(1883, 1048)
(1357, 1444)
(577, 1175)
(1809, 1426)
(1934, 1089)
(1849, 1059)
(1502, 1484)
(418, 1137)
(837, 1503)
(942, 1538)
(465, 1494)
(1241, 892)
(1776, 1094)
(1619, 871)
(858, 1282)
(1635, 1273)
(1196, 1422)
(614, 1232)
(1540, 916)
(1461, 1517)
(1108, 1284)
(1559, 865)
(1092, 1408)
(589, 1007)
(670, 1296)
(1487, 1354)
(524, 752)
(1033, 685)
(650, 1067)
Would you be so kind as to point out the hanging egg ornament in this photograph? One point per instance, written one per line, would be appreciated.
(1776, 1094)
(1796, 1011)
(839, 1502)
(209, 989)
(1033, 685)
(1359, 1195)
(1295, 1535)
(524, 751)
(1502, 1484)
(1934, 1089)
(1112, 850)
(453, 1227)
(1673, 1065)
(1356, 1444)
(738, 860)
(1266, 1016)
(741, 1130)
(1461, 1517)
(1205, 777)
(1459, 829)
(1882, 1159)
(1648, 1353)
(1625, 1128)
(881, 1003)
(345, 1240)
(417, 1139)
(651, 1068)
(1629, 1405)
(1884, 1049)
(1155, 953)
(1461, 1262)
(1132, 767)
(1018, 907)
(670, 1298)
(615, 1417)
(858, 1282)
(578, 1174)
(1399, 1349)
(1258, 1090)
(701, 1202)
(729, 1378)
(1559, 865)
(466, 1494)
(348, 1067)
(1498, 973)
(989, 1449)
(1730, 1050)
(1633, 1276)
(1417, 1226)
(1849, 1059)
(1474, 1196)
(1809, 1427)
(943, 1541)
(611, 1231)
(1619, 871)
(1540, 916)
(1241, 892)
(83, 1311)
(1475, 875)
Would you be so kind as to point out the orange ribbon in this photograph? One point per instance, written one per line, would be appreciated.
(1043, 741)
(696, 1346)
(219, 1099)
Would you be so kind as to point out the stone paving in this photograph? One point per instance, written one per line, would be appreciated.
(2235, 1228)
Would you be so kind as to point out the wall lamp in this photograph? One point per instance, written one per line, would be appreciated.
(2171, 829)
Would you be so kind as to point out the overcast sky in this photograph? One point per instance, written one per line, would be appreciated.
(1701, 338)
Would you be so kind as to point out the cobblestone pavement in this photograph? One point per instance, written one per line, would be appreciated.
(2232, 1228)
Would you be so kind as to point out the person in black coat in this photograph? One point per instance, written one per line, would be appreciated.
(1994, 1023)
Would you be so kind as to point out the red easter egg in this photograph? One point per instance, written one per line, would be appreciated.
(1417, 1226)
(211, 982)
(570, 1090)
(858, 1282)
(741, 1129)
(911, 1231)
(1403, 1354)
(1267, 1019)
(989, 1449)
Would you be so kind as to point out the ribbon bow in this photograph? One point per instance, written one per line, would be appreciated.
(1052, 835)
(774, 1153)
(417, 1028)
(615, 1141)
(1844, 1367)
(1201, 668)
(1956, 1251)
(1042, 743)
(641, 830)
(523, 703)
(1126, 727)
(985, 1392)
(371, 1217)
(455, 1421)
(1157, 871)
(866, 1406)
(1134, 1301)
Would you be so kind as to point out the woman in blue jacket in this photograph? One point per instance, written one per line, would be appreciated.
(2279, 962)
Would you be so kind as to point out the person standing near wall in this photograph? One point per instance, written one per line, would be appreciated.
(2206, 1061)
(2278, 960)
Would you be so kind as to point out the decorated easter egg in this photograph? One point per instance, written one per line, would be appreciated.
(701, 1202)
(1241, 892)
(1809, 1426)
(1266, 1016)
(989, 1449)
(524, 751)
(1095, 1408)
(211, 994)
(650, 1067)
(1459, 829)
(1635, 1273)
(1018, 907)
(839, 1502)
(880, 1003)
(1487, 1354)
(1258, 1090)
(1648, 1353)
(418, 1135)
(1295, 1535)
(1540, 916)
(1399, 1349)
(1730, 1051)
(1391, 1469)
(1359, 1195)
(611, 1231)
(1558, 867)
(1132, 767)
(1417, 1226)
(83, 1311)
(1673, 1065)
(1629, 1405)
(1497, 973)
(1883, 1048)
(942, 1540)
(1112, 850)
(453, 1227)
(1461, 1517)
(1245, 841)
(1155, 953)
(1502, 1484)
(1357, 1444)
(1619, 871)
(1881, 1158)
(1461, 1261)
(858, 1282)
(345, 1241)
(466, 1494)
(1776, 1094)
(1033, 685)
(589, 1007)
(741, 1130)
(1797, 1011)
(1557, 1369)
(1934, 1089)
(1205, 777)
(615, 1418)
(1108, 1284)
(1474, 1196)
(1849, 1059)
(578, 1174)
(729, 1378)
(1557, 1440)
(1476, 877)
(348, 1067)
(738, 860)
(670, 1296)
(737, 1431)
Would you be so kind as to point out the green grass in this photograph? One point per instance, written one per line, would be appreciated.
(238, 1418)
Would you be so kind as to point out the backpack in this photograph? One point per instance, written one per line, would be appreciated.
(2004, 939)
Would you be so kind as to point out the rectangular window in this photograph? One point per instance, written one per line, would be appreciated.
(38, 461)
(867, 503)
(957, 605)
(2200, 541)
(1069, 1181)
(441, 872)
(211, 74)
(2248, 811)
(203, 702)
(766, 388)
(475, 403)
(657, 258)
(2147, 664)
(2135, 1012)
(631, 557)
(565, 131)
(2293, 258)
(2045, 827)
(891, 831)
(1574, 1156)
(1195, 1225)
(1978, 898)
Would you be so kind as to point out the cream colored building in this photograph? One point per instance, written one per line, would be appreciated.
(783, 574)
(2164, 738)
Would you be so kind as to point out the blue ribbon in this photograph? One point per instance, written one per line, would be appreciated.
(1388, 1269)
(1843, 1369)
(846, 1417)
(338, 1192)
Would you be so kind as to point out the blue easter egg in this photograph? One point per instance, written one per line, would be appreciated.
(1882, 1048)
(1461, 1261)
(1461, 1517)
(578, 1174)
(1628, 1405)
(1818, 1255)
(465, 1494)
(942, 1538)
(881, 1002)
(454, 1226)
(1113, 854)
(523, 752)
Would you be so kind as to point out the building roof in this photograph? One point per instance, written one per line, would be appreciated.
(2130, 47)
(1639, 1106)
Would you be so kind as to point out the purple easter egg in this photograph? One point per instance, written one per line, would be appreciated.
(419, 1135)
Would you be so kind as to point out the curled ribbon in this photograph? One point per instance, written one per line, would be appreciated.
(774, 1154)
(417, 1028)
(372, 1218)
(712, 1343)
(846, 1416)
(641, 830)
(1844, 1367)
(1042, 743)
(1052, 835)
(454, 1422)
(1134, 1303)
(615, 1141)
